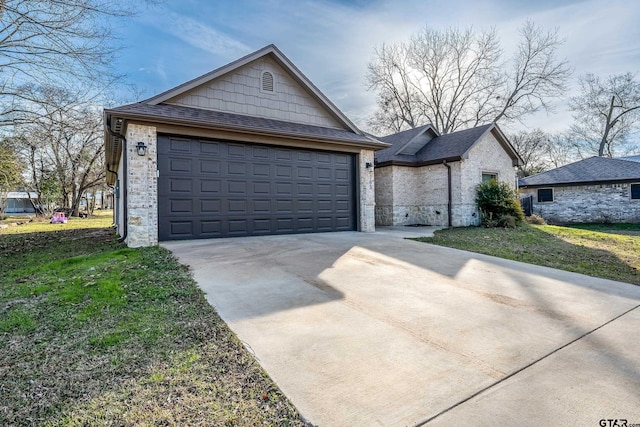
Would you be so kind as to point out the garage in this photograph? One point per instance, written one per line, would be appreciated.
(252, 148)
(216, 188)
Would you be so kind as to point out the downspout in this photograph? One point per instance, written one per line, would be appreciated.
(449, 195)
(124, 183)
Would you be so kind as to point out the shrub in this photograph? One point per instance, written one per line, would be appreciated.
(498, 204)
(536, 219)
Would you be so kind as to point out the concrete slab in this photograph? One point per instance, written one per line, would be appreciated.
(372, 329)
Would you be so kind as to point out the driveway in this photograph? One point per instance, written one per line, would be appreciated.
(365, 329)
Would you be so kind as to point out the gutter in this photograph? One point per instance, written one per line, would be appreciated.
(449, 207)
(124, 181)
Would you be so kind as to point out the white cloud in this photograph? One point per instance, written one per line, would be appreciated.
(200, 35)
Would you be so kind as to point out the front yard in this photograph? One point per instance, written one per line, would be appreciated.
(601, 250)
(94, 333)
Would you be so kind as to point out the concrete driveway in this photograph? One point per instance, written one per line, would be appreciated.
(370, 329)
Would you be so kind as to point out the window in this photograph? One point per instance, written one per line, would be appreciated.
(487, 177)
(267, 82)
(635, 191)
(545, 195)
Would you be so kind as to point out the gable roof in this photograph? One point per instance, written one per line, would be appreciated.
(275, 53)
(155, 110)
(449, 147)
(587, 171)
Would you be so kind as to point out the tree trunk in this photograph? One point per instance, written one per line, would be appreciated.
(607, 128)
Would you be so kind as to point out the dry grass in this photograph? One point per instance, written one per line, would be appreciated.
(607, 251)
(93, 333)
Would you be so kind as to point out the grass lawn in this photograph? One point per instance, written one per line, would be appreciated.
(94, 333)
(611, 251)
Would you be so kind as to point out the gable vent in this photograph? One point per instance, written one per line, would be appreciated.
(267, 81)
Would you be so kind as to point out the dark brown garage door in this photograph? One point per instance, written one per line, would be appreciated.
(210, 189)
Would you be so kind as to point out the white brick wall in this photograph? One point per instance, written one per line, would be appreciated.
(239, 92)
(406, 195)
(588, 203)
(487, 155)
(418, 195)
(142, 187)
(367, 192)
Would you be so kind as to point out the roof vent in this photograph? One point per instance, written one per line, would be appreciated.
(267, 81)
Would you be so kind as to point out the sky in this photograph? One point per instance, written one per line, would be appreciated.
(332, 41)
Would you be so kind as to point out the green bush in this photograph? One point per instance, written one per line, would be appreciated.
(498, 204)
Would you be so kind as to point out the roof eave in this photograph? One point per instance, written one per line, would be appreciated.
(415, 164)
(374, 145)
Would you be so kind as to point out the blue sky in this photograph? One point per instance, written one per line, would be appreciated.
(332, 41)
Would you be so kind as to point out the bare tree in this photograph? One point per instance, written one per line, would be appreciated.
(54, 42)
(606, 113)
(533, 149)
(455, 79)
(63, 148)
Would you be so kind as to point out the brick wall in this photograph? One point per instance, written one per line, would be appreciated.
(240, 92)
(418, 195)
(407, 195)
(367, 192)
(486, 156)
(589, 203)
(142, 187)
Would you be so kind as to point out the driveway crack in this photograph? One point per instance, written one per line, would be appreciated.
(490, 386)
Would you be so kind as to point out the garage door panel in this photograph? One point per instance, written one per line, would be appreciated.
(211, 189)
(208, 148)
(236, 150)
(210, 167)
(261, 170)
(180, 185)
(210, 206)
(177, 145)
(236, 169)
(260, 153)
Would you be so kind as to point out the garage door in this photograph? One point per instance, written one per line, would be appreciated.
(210, 189)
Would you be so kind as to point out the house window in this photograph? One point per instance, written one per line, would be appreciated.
(545, 195)
(635, 191)
(488, 177)
(267, 81)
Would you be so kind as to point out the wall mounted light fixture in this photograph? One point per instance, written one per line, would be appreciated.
(368, 165)
(141, 148)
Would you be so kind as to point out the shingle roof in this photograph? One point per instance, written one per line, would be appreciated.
(593, 169)
(631, 158)
(209, 118)
(452, 146)
(401, 138)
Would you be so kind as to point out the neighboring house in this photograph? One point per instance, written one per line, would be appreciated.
(430, 179)
(252, 148)
(20, 202)
(597, 189)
